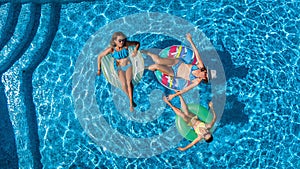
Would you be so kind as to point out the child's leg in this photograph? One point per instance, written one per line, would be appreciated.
(176, 110)
(184, 107)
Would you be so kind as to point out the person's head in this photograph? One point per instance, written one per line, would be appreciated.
(208, 137)
(202, 73)
(118, 39)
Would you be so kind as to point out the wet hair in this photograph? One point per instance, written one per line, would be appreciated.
(210, 139)
(114, 37)
(205, 80)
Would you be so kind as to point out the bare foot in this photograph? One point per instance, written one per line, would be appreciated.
(131, 109)
(144, 52)
(210, 104)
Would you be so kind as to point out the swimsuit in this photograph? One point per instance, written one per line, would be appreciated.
(197, 128)
(124, 68)
(192, 77)
(176, 66)
(123, 53)
(193, 120)
(199, 125)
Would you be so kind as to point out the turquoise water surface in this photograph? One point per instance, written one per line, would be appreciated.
(42, 45)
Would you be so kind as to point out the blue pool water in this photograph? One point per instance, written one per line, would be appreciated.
(41, 44)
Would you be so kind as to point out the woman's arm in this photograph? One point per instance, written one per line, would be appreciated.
(200, 62)
(100, 56)
(195, 82)
(134, 43)
(191, 144)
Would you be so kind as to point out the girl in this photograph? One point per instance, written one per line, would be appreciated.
(119, 50)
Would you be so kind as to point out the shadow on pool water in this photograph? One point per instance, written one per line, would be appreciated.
(234, 109)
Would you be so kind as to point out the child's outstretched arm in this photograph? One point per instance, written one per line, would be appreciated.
(190, 145)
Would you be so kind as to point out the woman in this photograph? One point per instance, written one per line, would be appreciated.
(178, 68)
(201, 128)
(119, 51)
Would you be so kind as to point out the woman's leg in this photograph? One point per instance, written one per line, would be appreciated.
(129, 86)
(163, 68)
(162, 64)
(177, 110)
(122, 77)
(159, 60)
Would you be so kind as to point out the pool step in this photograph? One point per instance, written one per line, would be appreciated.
(22, 37)
(4, 8)
(7, 33)
(20, 64)
(36, 54)
(8, 149)
(8, 29)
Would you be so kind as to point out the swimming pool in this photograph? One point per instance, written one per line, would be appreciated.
(257, 42)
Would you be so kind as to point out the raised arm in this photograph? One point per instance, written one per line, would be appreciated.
(190, 145)
(211, 124)
(200, 62)
(100, 56)
(134, 43)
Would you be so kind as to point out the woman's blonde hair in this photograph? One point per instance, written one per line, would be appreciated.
(114, 37)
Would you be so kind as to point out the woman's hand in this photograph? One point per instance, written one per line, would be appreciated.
(189, 37)
(134, 53)
(99, 72)
(171, 96)
(180, 149)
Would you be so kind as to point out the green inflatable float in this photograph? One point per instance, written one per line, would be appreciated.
(187, 131)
